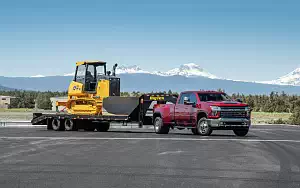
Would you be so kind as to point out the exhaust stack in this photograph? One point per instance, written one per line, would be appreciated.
(114, 69)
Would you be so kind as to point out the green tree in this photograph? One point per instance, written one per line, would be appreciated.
(43, 101)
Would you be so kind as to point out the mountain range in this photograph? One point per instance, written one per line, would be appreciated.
(185, 77)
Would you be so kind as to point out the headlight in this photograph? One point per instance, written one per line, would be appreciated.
(215, 110)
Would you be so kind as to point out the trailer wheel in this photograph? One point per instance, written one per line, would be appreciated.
(70, 125)
(49, 124)
(89, 126)
(56, 124)
(159, 127)
(103, 127)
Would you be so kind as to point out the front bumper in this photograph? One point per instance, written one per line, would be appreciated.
(229, 123)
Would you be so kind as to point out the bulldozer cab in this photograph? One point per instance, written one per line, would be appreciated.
(88, 73)
(96, 80)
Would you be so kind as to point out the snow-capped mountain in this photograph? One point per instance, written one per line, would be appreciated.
(129, 70)
(187, 70)
(293, 78)
(37, 76)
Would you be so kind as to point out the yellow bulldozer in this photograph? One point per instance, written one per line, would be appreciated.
(91, 84)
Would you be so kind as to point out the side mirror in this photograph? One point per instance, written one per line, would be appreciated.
(239, 100)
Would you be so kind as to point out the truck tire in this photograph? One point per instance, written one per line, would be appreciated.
(49, 124)
(57, 124)
(103, 127)
(159, 127)
(241, 132)
(70, 125)
(203, 128)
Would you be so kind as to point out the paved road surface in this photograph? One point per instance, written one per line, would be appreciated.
(33, 157)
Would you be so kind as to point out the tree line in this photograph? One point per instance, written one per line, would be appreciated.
(32, 99)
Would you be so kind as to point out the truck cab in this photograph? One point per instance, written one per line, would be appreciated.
(203, 112)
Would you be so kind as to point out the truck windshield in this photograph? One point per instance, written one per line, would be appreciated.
(214, 97)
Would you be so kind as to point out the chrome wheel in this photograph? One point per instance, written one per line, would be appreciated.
(157, 125)
(203, 127)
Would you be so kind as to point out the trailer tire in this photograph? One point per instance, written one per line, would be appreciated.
(203, 127)
(49, 124)
(241, 132)
(57, 124)
(159, 127)
(103, 127)
(70, 125)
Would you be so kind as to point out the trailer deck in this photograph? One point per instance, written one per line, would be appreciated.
(42, 119)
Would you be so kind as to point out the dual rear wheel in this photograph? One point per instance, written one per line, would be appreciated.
(159, 126)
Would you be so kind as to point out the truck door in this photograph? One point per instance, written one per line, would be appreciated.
(180, 110)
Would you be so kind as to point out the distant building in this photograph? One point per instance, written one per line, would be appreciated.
(60, 99)
(5, 101)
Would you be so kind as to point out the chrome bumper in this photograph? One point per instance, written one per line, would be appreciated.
(229, 122)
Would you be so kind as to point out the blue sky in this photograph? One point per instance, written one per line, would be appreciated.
(246, 40)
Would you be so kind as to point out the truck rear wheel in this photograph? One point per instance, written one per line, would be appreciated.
(103, 127)
(203, 128)
(57, 124)
(159, 127)
(241, 132)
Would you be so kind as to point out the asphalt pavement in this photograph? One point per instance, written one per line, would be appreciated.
(269, 156)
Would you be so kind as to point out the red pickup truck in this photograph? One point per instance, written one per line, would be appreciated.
(203, 112)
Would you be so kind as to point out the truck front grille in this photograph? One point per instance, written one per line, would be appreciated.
(233, 114)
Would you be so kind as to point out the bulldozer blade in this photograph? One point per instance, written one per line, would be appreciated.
(120, 105)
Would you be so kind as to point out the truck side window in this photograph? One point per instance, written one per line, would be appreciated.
(181, 101)
(193, 98)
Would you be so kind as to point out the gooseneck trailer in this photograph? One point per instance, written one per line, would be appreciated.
(115, 109)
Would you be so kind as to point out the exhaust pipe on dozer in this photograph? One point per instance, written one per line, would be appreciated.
(114, 69)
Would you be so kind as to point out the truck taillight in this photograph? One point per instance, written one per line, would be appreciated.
(155, 106)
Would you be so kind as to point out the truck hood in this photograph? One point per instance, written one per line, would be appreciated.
(226, 103)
